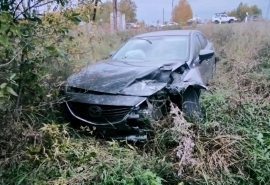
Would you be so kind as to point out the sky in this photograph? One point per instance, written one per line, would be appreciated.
(152, 10)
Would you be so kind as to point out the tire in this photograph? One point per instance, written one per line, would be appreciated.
(231, 21)
(216, 22)
(191, 105)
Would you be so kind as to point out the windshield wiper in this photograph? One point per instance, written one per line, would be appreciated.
(145, 40)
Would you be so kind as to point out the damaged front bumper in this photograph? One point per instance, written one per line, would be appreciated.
(127, 117)
(130, 114)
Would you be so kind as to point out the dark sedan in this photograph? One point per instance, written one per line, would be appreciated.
(138, 82)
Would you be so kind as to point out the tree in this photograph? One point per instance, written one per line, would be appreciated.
(28, 44)
(104, 12)
(129, 8)
(240, 11)
(182, 12)
(95, 9)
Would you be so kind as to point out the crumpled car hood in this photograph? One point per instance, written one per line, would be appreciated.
(119, 77)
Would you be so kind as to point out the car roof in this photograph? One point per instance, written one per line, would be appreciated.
(166, 33)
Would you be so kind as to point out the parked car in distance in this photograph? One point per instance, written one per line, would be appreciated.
(224, 18)
(172, 24)
(122, 95)
(162, 25)
(254, 18)
(194, 20)
(132, 25)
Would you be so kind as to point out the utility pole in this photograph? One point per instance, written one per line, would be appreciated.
(29, 8)
(163, 15)
(172, 11)
(115, 14)
(268, 10)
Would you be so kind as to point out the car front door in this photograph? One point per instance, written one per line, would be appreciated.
(208, 63)
(202, 66)
(224, 18)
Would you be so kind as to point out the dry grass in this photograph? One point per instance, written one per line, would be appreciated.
(96, 45)
(241, 102)
(229, 146)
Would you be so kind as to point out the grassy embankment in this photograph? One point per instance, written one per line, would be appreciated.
(230, 146)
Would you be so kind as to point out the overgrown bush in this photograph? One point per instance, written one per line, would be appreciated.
(32, 52)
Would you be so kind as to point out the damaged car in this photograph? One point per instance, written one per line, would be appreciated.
(122, 95)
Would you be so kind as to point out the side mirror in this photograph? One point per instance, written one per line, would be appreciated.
(112, 53)
(206, 54)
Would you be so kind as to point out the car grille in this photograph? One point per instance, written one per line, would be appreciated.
(110, 114)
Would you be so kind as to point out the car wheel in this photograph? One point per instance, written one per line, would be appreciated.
(191, 105)
(216, 22)
(231, 21)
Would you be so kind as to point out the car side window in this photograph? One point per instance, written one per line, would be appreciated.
(197, 46)
(203, 41)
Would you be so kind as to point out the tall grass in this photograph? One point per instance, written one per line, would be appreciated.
(229, 146)
(233, 142)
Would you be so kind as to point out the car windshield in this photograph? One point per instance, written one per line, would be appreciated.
(155, 48)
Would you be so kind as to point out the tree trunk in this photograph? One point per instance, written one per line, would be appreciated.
(115, 14)
(95, 10)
